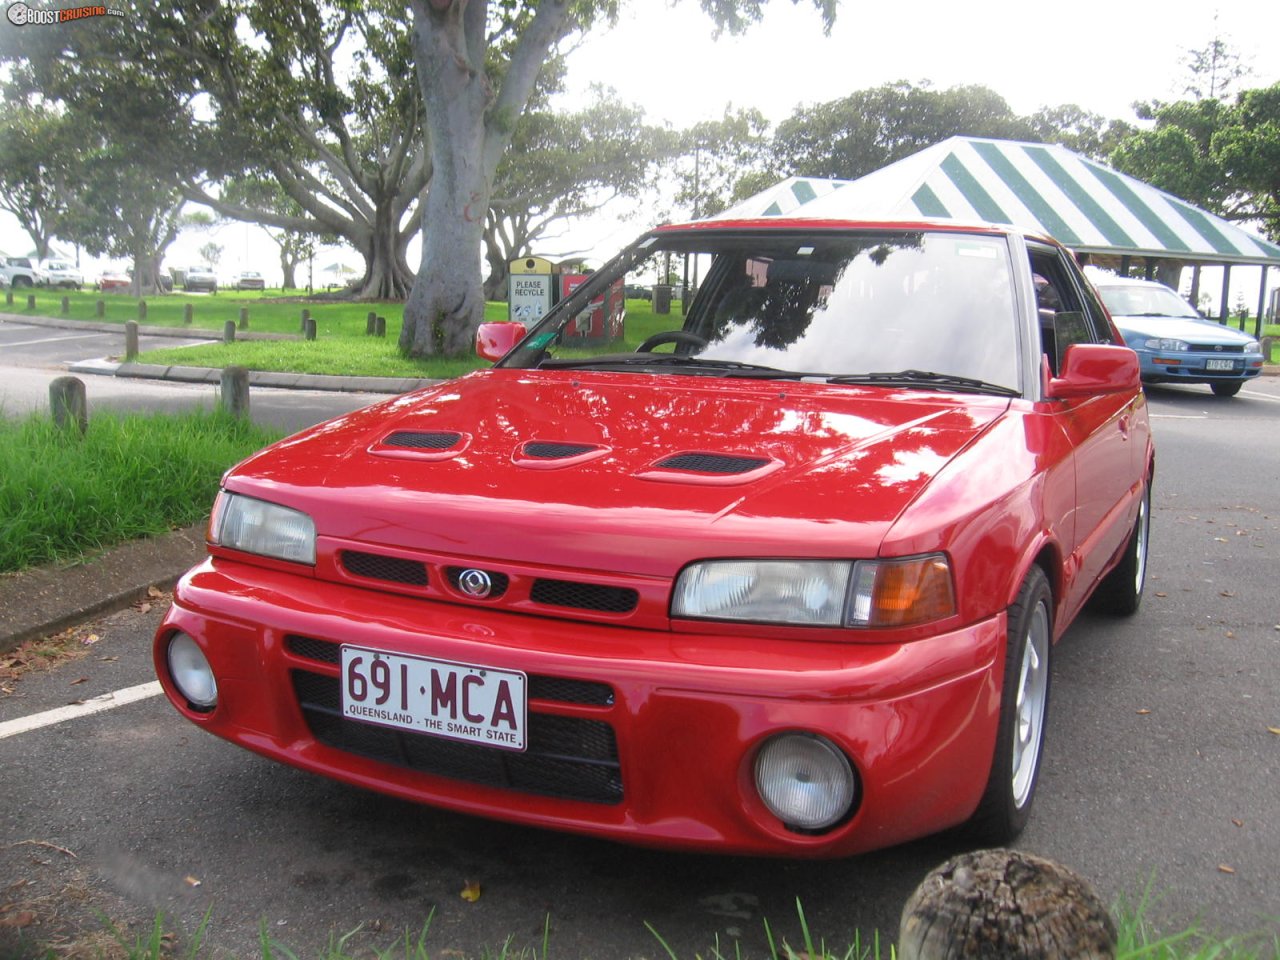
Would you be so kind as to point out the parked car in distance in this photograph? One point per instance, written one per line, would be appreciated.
(636, 291)
(200, 277)
(250, 280)
(783, 580)
(20, 271)
(114, 281)
(60, 273)
(1174, 343)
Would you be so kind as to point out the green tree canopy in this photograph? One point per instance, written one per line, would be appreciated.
(850, 137)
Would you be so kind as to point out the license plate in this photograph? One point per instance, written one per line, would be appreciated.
(458, 701)
(1219, 364)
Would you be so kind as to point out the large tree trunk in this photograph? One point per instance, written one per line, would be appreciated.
(288, 268)
(469, 130)
(446, 303)
(385, 275)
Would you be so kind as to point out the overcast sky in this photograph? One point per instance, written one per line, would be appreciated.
(1100, 55)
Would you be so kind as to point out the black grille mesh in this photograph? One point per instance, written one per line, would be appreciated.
(566, 757)
(584, 596)
(375, 566)
(712, 463)
(417, 440)
(556, 451)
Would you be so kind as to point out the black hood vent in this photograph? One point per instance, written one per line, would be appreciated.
(717, 463)
(422, 440)
(556, 451)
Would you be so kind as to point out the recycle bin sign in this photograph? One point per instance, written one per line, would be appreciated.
(531, 289)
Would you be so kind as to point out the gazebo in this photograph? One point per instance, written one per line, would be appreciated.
(1113, 219)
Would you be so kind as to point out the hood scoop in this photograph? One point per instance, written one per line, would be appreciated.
(718, 469)
(553, 454)
(421, 444)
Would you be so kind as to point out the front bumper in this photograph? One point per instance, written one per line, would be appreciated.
(1193, 367)
(643, 736)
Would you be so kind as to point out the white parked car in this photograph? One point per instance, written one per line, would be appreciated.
(59, 273)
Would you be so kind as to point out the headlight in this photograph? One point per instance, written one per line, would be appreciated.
(1253, 346)
(1168, 346)
(256, 526)
(831, 593)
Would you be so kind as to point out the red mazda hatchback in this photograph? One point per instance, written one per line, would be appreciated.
(783, 580)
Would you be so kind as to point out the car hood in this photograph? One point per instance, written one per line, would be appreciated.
(1180, 328)
(626, 472)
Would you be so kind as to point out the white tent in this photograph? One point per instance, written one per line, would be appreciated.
(1039, 187)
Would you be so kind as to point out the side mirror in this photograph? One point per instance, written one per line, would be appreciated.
(1093, 369)
(494, 340)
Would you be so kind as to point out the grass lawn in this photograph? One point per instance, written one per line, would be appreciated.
(341, 346)
(63, 495)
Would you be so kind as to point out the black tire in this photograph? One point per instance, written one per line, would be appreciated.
(1120, 592)
(1227, 388)
(21, 281)
(1024, 709)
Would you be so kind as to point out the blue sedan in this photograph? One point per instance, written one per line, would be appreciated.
(1175, 343)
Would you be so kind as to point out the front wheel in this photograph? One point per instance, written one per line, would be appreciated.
(1024, 707)
(1120, 592)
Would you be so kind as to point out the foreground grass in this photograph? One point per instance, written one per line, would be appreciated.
(1136, 941)
(63, 495)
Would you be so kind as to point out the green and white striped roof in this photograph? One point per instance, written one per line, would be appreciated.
(1038, 187)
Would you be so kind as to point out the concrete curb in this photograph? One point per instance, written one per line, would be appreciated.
(39, 602)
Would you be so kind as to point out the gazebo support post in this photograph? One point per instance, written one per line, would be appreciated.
(1262, 303)
(1224, 311)
(1195, 286)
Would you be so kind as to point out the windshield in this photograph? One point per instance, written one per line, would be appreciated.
(825, 304)
(1136, 301)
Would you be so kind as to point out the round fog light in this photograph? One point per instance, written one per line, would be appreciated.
(191, 672)
(805, 781)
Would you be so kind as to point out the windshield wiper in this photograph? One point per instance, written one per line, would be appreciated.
(732, 367)
(927, 378)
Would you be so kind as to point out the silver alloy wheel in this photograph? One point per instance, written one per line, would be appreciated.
(1032, 698)
(1140, 547)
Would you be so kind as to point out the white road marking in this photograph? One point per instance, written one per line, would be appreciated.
(78, 336)
(108, 701)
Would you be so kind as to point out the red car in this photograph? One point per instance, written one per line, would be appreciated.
(788, 585)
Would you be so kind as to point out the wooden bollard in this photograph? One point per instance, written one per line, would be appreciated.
(244, 318)
(68, 404)
(31, 301)
(229, 332)
(8, 298)
(234, 384)
(306, 315)
(142, 311)
(66, 305)
(100, 309)
(380, 327)
(309, 329)
(188, 314)
(370, 324)
(131, 340)
(1005, 903)
(1267, 344)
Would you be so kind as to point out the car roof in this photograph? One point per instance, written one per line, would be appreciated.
(1101, 279)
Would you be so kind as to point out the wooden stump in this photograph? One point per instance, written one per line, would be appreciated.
(1005, 904)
